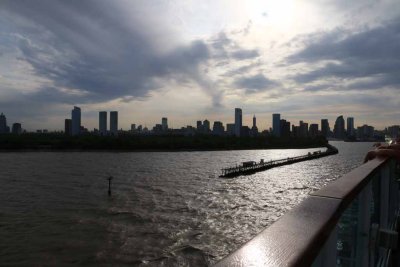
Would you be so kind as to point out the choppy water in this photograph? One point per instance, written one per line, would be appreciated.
(166, 209)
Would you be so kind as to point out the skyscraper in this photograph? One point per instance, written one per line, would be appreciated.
(338, 130)
(103, 122)
(254, 129)
(164, 124)
(238, 121)
(325, 129)
(3, 123)
(350, 126)
(276, 124)
(313, 130)
(114, 123)
(206, 126)
(76, 121)
(68, 127)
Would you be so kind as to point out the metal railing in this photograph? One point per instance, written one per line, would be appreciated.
(350, 222)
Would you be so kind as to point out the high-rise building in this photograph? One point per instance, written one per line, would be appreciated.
(238, 121)
(68, 127)
(303, 128)
(365, 132)
(325, 129)
(338, 130)
(276, 124)
(76, 121)
(16, 128)
(350, 126)
(199, 127)
(285, 128)
(164, 124)
(133, 128)
(230, 129)
(254, 129)
(206, 126)
(313, 130)
(114, 123)
(103, 122)
(218, 128)
(3, 123)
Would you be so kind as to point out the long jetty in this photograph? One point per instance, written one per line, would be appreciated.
(250, 167)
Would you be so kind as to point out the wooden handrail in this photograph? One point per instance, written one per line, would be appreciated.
(297, 237)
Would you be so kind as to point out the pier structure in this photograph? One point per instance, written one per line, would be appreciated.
(250, 167)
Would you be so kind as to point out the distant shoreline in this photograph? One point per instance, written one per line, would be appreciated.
(145, 150)
(169, 143)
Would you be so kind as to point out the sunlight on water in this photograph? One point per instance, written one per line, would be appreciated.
(165, 209)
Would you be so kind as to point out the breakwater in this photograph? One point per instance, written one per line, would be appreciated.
(250, 167)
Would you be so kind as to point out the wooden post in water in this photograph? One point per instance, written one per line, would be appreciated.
(109, 185)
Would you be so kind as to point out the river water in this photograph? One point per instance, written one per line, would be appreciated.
(166, 208)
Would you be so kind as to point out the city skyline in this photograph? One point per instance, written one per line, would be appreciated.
(199, 60)
(112, 125)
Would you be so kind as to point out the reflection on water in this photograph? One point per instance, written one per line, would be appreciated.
(166, 208)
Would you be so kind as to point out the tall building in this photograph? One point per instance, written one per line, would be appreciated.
(276, 124)
(199, 127)
(164, 124)
(238, 121)
(68, 127)
(133, 128)
(285, 128)
(230, 129)
(206, 126)
(218, 128)
(350, 126)
(365, 132)
(103, 122)
(254, 129)
(16, 128)
(3, 123)
(325, 129)
(76, 121)
(303, 128)
(114, 123)
(338, 130)
(313, 130)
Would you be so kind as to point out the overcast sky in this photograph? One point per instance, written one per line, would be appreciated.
(192, 60)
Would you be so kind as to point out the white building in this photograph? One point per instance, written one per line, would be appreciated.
(76, 121)
(238, 121)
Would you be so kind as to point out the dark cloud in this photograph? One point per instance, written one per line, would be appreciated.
(255, 83)
(225, 47)
(86, 46)
(371, 53)
(245, 54)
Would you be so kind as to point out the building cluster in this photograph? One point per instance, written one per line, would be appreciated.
(4, 128)
(74, 127)
(342, 130)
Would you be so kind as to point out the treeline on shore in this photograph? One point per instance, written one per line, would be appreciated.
(151, 142)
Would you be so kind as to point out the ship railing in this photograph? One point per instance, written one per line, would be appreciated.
(353, 221)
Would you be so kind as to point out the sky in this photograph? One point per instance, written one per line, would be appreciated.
(195, 60)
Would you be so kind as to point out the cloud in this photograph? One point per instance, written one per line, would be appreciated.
(370, 55)
(256, 83)
(85, 46)
(245, 54)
